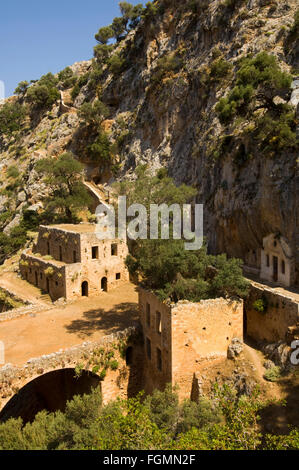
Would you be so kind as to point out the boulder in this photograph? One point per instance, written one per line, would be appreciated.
(235, 348)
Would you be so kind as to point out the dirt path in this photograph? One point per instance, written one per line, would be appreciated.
(256, 357)
(87, 319)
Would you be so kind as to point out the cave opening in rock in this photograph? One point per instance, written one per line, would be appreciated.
(49, 392)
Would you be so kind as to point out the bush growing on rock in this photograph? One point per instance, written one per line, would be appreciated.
(273, 374)
(22, 88)
(67, 193)
(260, 94)
(12, 116)
(93, 114)
(100, 150)
(44, 93)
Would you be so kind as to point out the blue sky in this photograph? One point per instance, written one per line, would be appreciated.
(37, 37)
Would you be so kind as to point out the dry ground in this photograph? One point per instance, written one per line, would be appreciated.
(284, 394)
(68, 325)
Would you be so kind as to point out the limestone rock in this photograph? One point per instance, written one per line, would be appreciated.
(269, 364)
(294, 101)
(12, 224)
(235, 348)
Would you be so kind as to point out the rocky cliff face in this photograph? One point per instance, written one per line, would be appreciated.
(162, 103)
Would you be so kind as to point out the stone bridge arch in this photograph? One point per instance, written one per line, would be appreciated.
(123, 381)
(50, 391)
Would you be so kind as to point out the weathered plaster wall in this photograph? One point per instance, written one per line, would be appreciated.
(272, 325)
(277, 247)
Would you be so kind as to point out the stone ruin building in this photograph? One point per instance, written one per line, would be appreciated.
(273, 262)
(69, 261)
(180, 338)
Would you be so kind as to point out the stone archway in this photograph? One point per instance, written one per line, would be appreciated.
(84, 289)
(49, 392)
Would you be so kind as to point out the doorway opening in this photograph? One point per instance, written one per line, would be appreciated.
(104, 284)
(84, 289)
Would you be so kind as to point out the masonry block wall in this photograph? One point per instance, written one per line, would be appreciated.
(189, 333)
(155, 318)
(271, 325)
(49, 276)
(202, 330)
(61, 244)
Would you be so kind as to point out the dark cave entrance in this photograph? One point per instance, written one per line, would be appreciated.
(49, 392)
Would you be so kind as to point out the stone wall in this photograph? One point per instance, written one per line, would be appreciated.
(150, 306)
(200, 331)
(272, 325)
(124, 382)
(47, 275)
(190, 333)
(61, 244)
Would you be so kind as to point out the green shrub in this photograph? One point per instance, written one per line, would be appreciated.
(12, 171)
(102, 53)
(260, 305)
(82, 81)
(170, 62)
(273, 374)
(42, 97)
(258, 78)
(44, 93)
(66, 76)
(93, 114)
(116, 64)
(114, 365)
(12, 116)
(103, 374)
(100, 150)
(22, 88)
(104, 34)
(220, 69)
(160, 421)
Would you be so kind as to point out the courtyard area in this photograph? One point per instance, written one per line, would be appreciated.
(63, 326)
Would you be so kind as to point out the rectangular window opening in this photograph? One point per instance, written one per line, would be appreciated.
(148, 348)
(95, 252)
(114, 249)
(158, 323)
(159, 359)
(148, 315)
